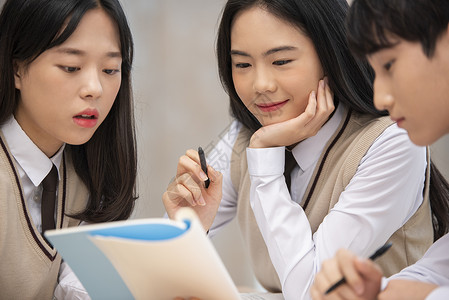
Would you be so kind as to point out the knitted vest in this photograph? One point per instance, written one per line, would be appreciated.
(29, 266)
(336, 167)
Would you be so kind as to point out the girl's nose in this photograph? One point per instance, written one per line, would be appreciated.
(264, 82)
(92, 87)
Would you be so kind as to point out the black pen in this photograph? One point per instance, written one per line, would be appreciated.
(376, 254)
(203, 165)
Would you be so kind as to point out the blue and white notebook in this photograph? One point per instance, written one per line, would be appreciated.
(145, 259)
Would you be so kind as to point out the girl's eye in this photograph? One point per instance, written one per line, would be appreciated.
(388, 65)
(242, 65)
(111, 71)
(69, 69)
(281, 62)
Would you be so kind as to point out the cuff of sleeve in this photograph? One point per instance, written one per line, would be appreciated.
(439, 293)
(265, 161)
(383, 283)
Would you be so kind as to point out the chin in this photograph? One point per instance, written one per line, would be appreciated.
(272, 120)
(422, 140)
(79, 140)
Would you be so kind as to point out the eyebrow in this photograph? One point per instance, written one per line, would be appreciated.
(269, 52)
(77, 52)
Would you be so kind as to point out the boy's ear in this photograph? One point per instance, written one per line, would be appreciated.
(18, 71)
(446, 32)
(445, 37)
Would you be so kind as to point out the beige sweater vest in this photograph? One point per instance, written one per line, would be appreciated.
(29, 266)
(335, 168)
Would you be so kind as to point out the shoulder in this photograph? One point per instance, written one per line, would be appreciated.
(219, 151)
(393, 147)
(397, 139)
(228, 137)
(231, 132)
(384, 135)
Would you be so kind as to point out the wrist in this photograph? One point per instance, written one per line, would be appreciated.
(256, 141)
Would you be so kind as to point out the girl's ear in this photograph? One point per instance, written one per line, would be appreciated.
(18, 70)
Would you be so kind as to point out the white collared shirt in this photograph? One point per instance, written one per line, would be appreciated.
(378, 200)
(33, 166)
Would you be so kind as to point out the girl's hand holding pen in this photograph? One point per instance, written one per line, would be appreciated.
(188, 189)
(320, 106)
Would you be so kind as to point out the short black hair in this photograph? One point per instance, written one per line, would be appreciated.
(373, 25)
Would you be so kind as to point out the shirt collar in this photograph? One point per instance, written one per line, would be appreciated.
(33, 161)
(307, 152)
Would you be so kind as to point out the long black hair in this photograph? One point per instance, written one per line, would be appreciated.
(373, 25)
(323, 21)
(107, 163)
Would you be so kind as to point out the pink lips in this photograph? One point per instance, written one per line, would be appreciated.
(88, 118)
(269, 107)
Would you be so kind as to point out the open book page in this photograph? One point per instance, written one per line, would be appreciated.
(91, 266)
(145, 259)
(183, 266)
(153, 258)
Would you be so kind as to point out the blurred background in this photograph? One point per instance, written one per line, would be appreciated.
(180, 104)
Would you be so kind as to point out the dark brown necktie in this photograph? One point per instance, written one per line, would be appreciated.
(48, 200)
(290, 164)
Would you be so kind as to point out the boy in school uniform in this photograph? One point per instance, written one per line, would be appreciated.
(407, 44)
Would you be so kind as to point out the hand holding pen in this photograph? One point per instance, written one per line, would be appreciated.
(196, 185)
(203, 165)
(375, 255)
(362, 276)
